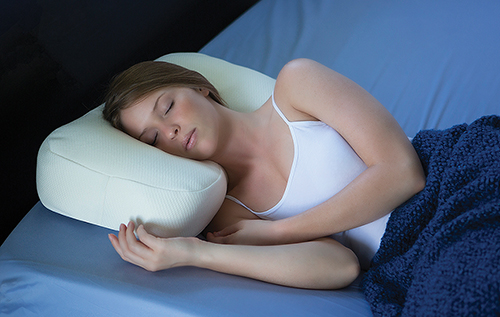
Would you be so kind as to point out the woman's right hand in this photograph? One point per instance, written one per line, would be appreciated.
(153, 253)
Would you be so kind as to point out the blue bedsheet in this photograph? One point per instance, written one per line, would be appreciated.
(52, 265)
(440, 254)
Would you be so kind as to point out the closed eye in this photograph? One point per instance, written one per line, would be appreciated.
(169, 107)
(155, 139)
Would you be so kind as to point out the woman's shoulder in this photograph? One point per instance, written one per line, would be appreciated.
(289, 86)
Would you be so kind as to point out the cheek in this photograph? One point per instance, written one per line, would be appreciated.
(130, 122)
(207, 147)
(169, 149)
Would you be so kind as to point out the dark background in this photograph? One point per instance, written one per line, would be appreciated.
(57, 56)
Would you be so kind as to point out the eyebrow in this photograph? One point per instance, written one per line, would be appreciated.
(154, 110)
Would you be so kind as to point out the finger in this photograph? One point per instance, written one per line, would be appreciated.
(146, 238)
(226, 231)
(212, 238)
(115, 243)
(219, 239)
(122, 241)
(121, 238)
(137, 246)
(126, 253)
(129, 234)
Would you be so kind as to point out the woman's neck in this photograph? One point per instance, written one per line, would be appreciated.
(241, 142)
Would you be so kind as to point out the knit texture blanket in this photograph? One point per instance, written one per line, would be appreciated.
(440, 254)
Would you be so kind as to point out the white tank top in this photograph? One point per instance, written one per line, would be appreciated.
(323, 164)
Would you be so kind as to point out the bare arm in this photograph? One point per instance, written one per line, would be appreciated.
(394, 172)
(306, 90)
(318, 264)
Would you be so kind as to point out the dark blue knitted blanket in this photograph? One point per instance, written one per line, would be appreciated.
(440, 254)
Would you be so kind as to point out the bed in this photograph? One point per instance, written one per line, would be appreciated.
(432, 64)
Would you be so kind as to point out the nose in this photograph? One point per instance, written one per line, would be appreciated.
(173, 132)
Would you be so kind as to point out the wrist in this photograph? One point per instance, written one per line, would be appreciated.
(190, 251)
(282, 233)
(292, 230)
(201, 255)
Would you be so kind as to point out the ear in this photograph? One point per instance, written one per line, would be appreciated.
(204, 91)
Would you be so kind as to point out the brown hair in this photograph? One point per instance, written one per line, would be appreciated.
(135, 83)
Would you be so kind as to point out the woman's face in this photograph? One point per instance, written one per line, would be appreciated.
(180, 121)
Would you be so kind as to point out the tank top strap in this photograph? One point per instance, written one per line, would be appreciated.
(278, 110)
(237, 201)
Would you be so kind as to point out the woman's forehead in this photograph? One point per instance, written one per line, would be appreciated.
(134, 118)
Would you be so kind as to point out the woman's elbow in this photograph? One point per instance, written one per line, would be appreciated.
(413, 176)
(351, 273)
(346, 270)
(420, 183)
(418, 177)
(343, 277)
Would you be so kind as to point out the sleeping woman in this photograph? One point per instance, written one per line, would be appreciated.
(313, 174)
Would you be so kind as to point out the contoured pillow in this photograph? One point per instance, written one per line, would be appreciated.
(90, 171)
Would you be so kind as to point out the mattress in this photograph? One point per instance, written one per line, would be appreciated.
(52, 265)
(433, 64)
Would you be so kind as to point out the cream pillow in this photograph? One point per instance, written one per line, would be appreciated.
(92, 172)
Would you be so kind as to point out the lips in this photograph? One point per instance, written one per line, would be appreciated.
(189, 140)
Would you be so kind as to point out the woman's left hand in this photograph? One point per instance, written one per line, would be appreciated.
(249, 232)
